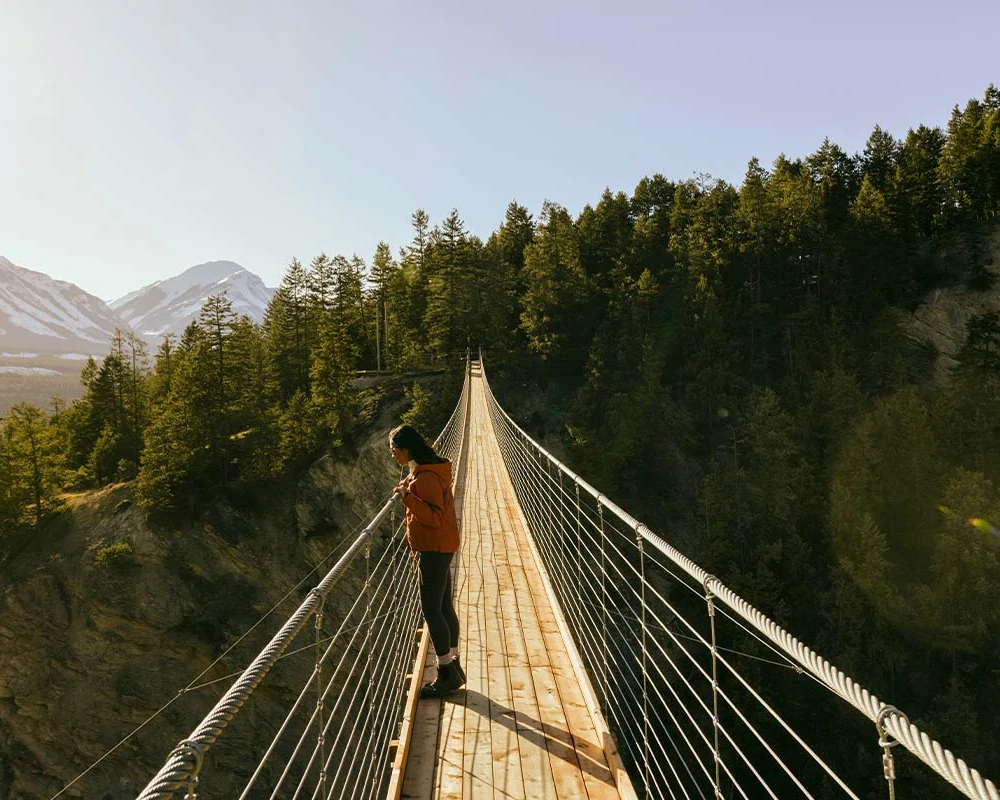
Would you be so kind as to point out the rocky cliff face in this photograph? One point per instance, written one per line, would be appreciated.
(940, 321)
(103, 619)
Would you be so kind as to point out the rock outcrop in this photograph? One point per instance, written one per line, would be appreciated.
(940, 321)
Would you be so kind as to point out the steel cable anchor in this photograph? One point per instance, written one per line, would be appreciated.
(886, 742)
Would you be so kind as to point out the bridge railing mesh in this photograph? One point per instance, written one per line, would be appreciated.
(337, 669)
(689, 676)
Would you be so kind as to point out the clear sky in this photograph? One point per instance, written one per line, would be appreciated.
(140, 138)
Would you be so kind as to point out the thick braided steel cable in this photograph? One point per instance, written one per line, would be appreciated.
(331, 643)
(448, 444)
(517, 474)
(542, 544)
(289, 716)
(700, 639)
(357, 696)
(546, 527)
(953, 769)
(177, 773)
(735, 706)
(737, 711)
(546, 531)
(184, 761)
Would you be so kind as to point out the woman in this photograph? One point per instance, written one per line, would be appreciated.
(432, 532)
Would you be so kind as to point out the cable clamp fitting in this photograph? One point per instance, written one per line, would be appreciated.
(709, 595)
(189, 748)
(886, 742)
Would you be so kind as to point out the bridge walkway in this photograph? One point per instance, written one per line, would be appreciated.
(526, 725)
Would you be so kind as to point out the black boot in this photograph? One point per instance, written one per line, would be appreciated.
(461, 672)
(447, 681)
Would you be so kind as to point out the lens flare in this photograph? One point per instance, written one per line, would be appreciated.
(976, 522)
(983, 525)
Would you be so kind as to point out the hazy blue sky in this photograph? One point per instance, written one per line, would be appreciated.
(140, 138)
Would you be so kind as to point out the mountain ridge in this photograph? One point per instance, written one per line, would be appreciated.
(170, 305)
(43, 314)
(39, 312)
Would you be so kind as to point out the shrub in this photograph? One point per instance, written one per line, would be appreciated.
(120, 553)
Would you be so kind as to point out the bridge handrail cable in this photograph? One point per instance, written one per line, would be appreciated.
(180, 771)
(889, 721)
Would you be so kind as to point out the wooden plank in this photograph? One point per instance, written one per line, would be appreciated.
(421, 759)
(396, 781)
(523, 728)
(453, 717)
(598, 725)
(478, 773)
(507, 776)
(549, 723)
(508, 779)
(535, 768)
(468, 596)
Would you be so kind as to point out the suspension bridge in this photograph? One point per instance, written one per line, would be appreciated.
(601, 664)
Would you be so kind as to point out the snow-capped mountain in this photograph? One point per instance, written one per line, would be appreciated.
(168, 306)
(44, 315)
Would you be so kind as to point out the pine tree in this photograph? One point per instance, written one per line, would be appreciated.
(890, 470)
(960, 604)
(288, 326)
(349, 312)
(219, 370)
(34, 457)
(109, 419)
(605, 237)
(168, 479)
(760, 224)
(384, 269)
(917, 193)
(9, 511)
(651, 204)
(338, 350)
(451, 289)
(417, 251)
(879, 159)
(410, 292)
(556, 291)
(970, 160)
(876, 270)
(331, 374)
(322, 284)
(703, 242)
(163, 369)
(968, 404)
(252, 435)
(504, 284)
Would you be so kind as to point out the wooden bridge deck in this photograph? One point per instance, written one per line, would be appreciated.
(526, 725)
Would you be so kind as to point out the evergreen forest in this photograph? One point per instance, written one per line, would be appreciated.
(728, 363)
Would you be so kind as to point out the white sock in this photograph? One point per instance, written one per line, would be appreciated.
(446, 659)
(453, 652)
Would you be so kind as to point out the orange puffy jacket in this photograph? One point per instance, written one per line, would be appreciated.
(431, 525)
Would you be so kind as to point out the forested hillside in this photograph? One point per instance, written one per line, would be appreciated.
(729, 363)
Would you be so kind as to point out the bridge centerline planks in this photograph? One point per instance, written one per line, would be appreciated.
(522, 727)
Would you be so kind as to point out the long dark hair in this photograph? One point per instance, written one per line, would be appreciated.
(406, 437)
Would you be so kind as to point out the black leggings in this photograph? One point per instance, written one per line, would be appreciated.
(436, 601)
